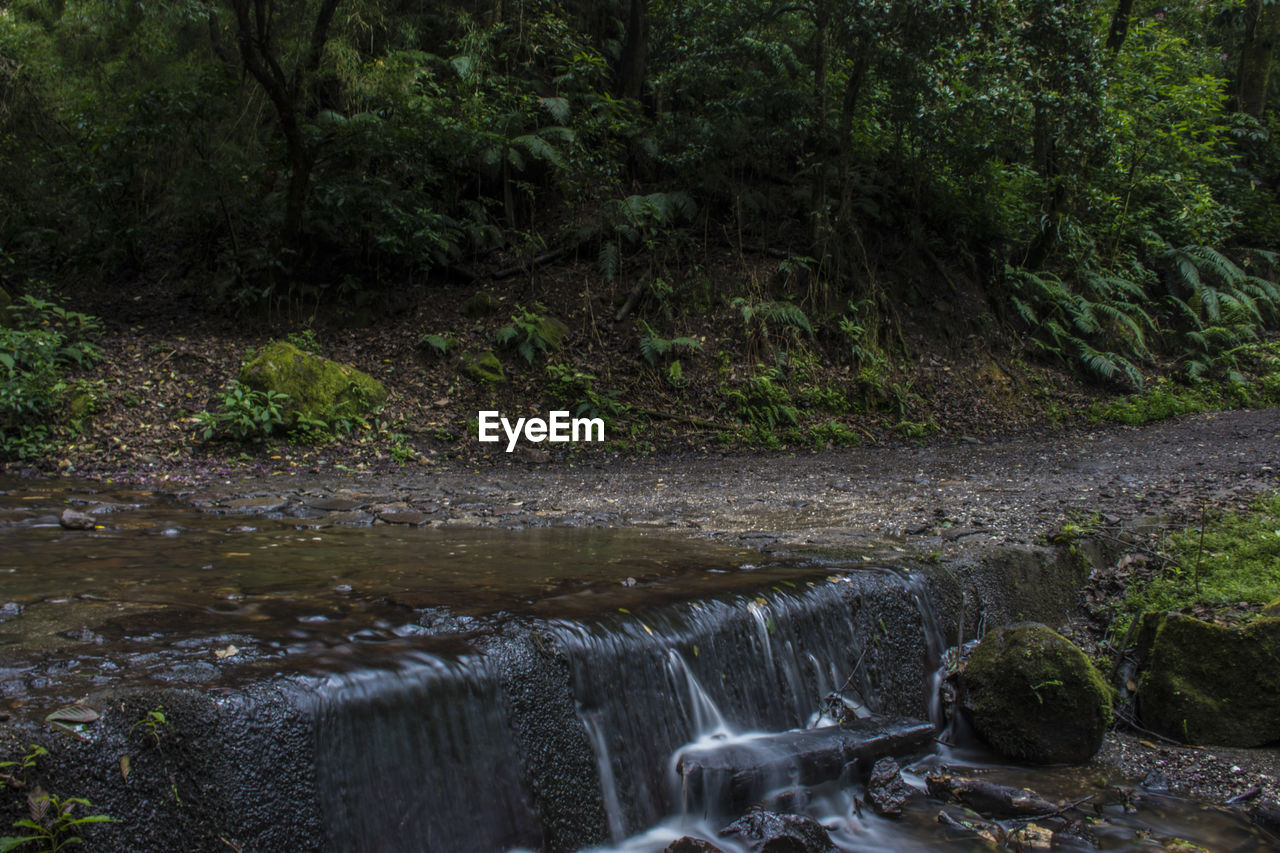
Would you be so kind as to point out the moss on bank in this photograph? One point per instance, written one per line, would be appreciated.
(1236, 562)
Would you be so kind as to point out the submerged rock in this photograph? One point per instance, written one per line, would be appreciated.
(1210, 684)
(1035, 697)
(689, 844)
(74, 520)
(317, 387)
(763, 831)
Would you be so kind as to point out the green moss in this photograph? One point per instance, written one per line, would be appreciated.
(1207, 683)
(553, 332)
(1033, 696)
(1239, 562)
(318, 388)
(482, 366)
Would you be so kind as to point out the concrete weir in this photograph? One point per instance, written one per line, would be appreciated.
(502, 732)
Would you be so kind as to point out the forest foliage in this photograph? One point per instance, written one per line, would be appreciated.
(1106, 171)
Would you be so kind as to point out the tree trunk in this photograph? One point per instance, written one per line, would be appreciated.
(635, 53)
(818, 192)
(1119, 25)
(1262, 29)
(288, 93)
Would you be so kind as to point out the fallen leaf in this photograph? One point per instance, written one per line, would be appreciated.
(229, 651)
(73, 713)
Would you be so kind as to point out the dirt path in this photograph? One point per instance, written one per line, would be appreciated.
(1013, 490)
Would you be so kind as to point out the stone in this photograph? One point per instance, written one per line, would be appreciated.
(73, 520)
(689, 844)
(761, 831)
(1035, 697)
(317, 387)
(1272, 609)
(886, 790)
(405, 516)
(338, 504)
(482, 367)
(271, 503)
(1204, 683)
(478, 305)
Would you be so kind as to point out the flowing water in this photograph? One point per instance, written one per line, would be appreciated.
(397, 688)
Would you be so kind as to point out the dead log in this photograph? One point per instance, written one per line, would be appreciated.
(734, 774)
(986, 798)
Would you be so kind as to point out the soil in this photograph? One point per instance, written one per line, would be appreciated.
(167, 355)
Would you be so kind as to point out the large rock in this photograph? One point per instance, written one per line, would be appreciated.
(317, 387)
(761, 831)
(1207, 683)
(1035, 697)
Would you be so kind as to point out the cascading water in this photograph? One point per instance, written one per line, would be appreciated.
(719, 670)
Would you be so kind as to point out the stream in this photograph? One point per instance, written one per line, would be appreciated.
(393, 687)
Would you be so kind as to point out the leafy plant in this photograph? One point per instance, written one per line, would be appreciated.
(762, 401)
(52, 825)
(1098, 326)
(574, 388)
(243, 414)
(153, 725)
(660, 352)
(441, 345)
(530, 333)
(768, 324)
(17, 773)
(306, 341)
(35, 352)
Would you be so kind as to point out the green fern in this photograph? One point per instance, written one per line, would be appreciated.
(654, 349)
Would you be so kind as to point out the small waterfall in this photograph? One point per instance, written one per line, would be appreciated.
(608, 785)
(935, 648)
(655, 681)
(420, 758)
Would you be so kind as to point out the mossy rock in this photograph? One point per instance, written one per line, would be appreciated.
(1035, 697)
(317, 387)
(482, 366)
(1210, 684)
(479, 305)
(1273, 609)
(553, 332)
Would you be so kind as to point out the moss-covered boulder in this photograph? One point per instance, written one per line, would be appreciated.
(1210, 684)
(479, 305)
(1035, 697)
(1272, 609)
(482, 366)
(317, 387)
